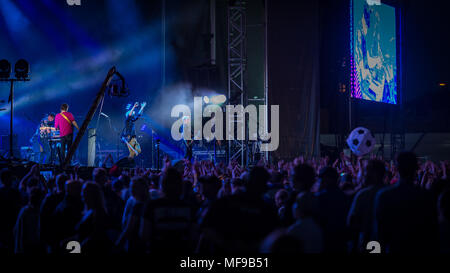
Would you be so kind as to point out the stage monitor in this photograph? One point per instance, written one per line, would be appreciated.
(373, 51)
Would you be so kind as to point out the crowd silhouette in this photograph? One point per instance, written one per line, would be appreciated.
(300, 206)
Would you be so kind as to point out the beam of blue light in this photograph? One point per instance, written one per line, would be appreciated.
(70, 75)
(14, 18)
(81, 36)
(44, 24)
(16, 23)
(161, 133)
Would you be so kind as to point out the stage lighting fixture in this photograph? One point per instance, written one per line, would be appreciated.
(5, 69)
(206, 99)
(22, 68)
(218, 99)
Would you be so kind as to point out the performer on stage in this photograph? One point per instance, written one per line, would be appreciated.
(129, 133)
(42, 136)
(65, 121)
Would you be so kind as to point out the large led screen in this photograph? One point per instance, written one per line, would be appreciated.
(374, 52)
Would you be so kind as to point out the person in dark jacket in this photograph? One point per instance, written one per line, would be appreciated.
(406, 215)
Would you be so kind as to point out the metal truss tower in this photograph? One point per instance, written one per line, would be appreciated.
(237, 61)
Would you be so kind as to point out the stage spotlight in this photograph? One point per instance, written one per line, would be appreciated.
(206, 99)
(218, 99)
(22, 68)
(5, 69)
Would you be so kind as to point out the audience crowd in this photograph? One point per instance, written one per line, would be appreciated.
(301, 206)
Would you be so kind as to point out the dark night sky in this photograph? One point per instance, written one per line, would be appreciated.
(426, 46)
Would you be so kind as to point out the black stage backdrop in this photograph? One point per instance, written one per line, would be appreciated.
(293, 74)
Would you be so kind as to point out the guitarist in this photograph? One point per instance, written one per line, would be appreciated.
(64, 121)
(129, 132)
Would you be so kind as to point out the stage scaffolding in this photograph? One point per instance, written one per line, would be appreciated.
(247, 71)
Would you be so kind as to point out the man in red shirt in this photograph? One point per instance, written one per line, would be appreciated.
(64, 122)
